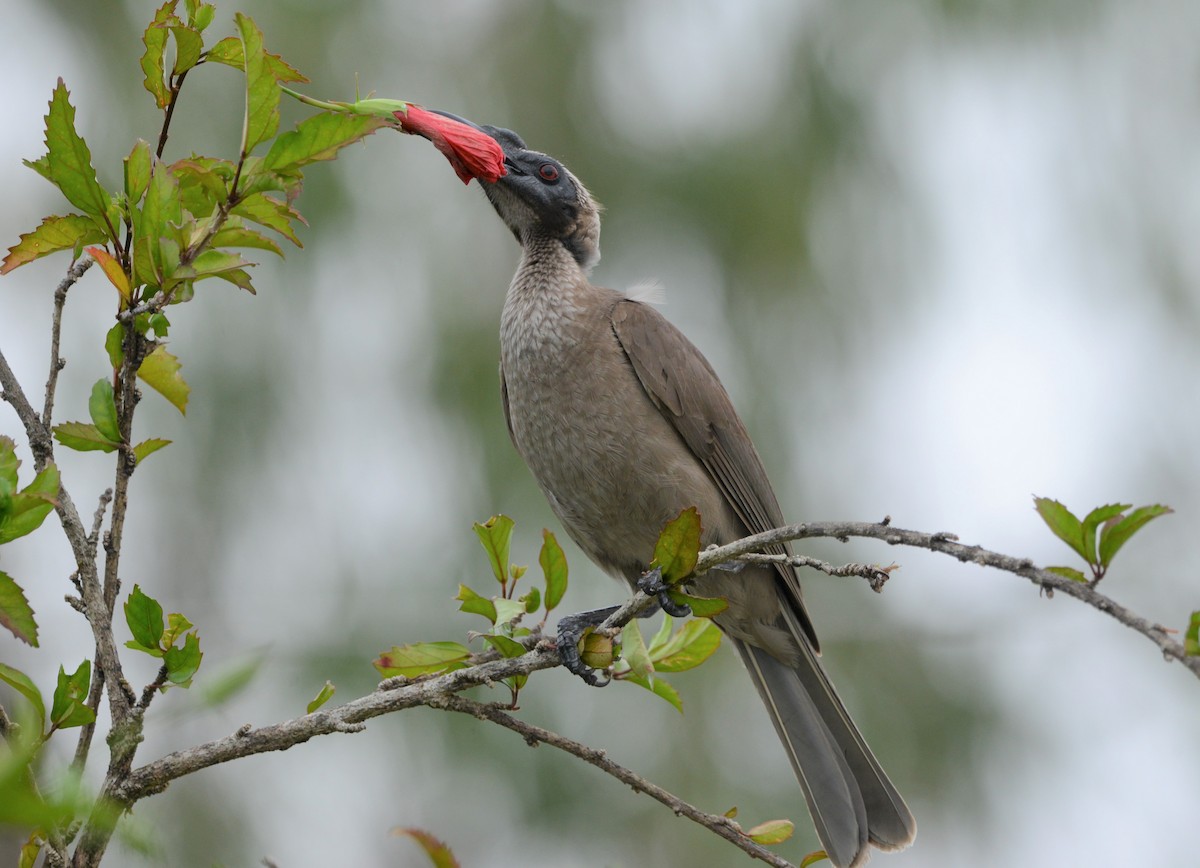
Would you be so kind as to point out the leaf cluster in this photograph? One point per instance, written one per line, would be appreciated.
(1098, 536)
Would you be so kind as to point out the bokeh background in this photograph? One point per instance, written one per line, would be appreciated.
(944, 256)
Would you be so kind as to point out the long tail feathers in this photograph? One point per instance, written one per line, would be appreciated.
(851, 800)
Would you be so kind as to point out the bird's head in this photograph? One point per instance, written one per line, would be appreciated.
(538, 198)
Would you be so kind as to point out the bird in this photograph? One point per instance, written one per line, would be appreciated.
(624, 423)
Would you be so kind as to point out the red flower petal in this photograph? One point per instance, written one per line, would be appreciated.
(472, 152)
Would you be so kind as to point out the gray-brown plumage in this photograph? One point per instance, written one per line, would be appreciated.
(624, 424)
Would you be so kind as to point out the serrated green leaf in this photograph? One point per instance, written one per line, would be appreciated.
(203, 16)
(262, 90)
(319, 137)
(325, 694)
(201, 188)
(68, 708)
(69, 162)
(238, 278)
(1068, 573)
(772, 832)
(16, 615)
(495, 535)
(103, 409)
(188, 45)
(83, 437)
(160, 213)
(160, 371)
(155, 40)
(265, 211)
(54, 234)
(678, 546)
(177, 625)
(230, 679)
(440, 856)
(144, 616)
(1094, 519)
(692, 644)
(23, 684)
(422, 658)
(1116, 533)
(148, 447)
(183, 661)
(211, 263)
(229, 51)
(28, 508)
(554, 568)
(160, 324)
(475, 604)
(1064, 524)
(1191, 639)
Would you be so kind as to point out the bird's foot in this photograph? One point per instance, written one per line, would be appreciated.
(652, 585)
(570, 630)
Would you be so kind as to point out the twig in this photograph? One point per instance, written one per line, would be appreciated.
(98, 518)
(876, 576)
(723, 826)
(947, 543)
(57, 363)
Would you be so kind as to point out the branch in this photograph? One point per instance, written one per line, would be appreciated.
(721, 825)
(948, 544)
(57, 363)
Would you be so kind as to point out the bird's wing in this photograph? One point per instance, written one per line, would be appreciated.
(686, 390)
(504, 402)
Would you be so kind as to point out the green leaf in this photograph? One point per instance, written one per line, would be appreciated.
(1064, 524)
(68, 708)
(20, 682)
(30, 851)
(211, 263)
(177, 625)
(9, 461)
(182, 662)
(1191, 639)
(114, 341)
(203, 16)
(813, 858)
(262, 90)
(155, 223)
(155, 40)
(69, 162)
(229, 51)
(238, 236)
(103, 409)
(188, 45)
(265, 211)
(319, 137)
(1093, 520)
(144, 616)
(691, 645)
(772, 832)
(634, 653)
(532, 600)
(230, 679)
(554, 568)
(1116, 533)
(702, 607)
(160, 371)
(28, 508)
(15, 613)
(1068, 573)
(508, 611)
(422, 658)
(440, 856)
(678, 546)
(475, 604)
(83, 437)
(54, 234)
(201, 187)
(495, 535)
(148, 447)
(507, 647)
(321, 698)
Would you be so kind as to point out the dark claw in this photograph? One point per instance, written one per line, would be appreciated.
(570, 631)
(652, 585)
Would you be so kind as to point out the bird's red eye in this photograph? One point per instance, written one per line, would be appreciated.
(549, 172)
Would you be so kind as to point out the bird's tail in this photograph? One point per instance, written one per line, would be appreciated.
(851, 800)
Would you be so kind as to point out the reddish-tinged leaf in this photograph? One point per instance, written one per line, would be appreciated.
(112, 270)
(262, 90)
(813, 858)
(439, 854)
(15, 613)
(229, 51)
(471, 152)
(422, 658)
(55, 233)
(155, 40)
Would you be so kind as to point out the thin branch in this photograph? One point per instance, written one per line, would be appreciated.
(721, 825)
(875, 575)
(57, 363)
(948, 544)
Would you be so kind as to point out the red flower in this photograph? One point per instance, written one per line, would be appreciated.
(471, 151)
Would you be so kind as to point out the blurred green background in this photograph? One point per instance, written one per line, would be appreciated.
(943, 255)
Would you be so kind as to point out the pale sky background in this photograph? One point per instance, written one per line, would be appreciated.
(944, 256)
